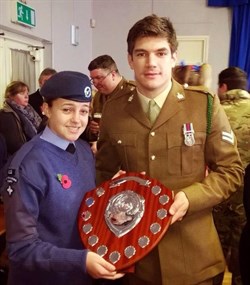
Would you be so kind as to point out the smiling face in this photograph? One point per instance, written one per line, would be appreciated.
(66, 118)
(152, 62)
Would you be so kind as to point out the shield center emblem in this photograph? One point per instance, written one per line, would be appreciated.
(124, 211)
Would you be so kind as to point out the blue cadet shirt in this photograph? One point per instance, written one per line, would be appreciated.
(41, 211)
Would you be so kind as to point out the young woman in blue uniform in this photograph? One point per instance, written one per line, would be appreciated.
(43, 191)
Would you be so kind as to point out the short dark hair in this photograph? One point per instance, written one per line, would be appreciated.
(234, 78)
(152, 26)
(104, 62)
(47, 71)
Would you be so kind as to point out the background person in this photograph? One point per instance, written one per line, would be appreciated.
(46, 182)
(229, 216)
(18, 120)
(36, 99)
(109, 83)
(190, 132)
(244, 248)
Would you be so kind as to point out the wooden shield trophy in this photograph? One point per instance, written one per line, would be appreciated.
(124, 219)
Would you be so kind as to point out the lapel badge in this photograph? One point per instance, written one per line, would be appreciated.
(188, 132)
(131, 98)
(180, 96)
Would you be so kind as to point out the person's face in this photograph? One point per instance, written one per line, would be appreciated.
(43, 79)
(103, 80)
(66, 118)
(21, 98)
(152, 62)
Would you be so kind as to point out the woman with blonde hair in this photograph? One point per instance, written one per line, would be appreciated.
(18, 120)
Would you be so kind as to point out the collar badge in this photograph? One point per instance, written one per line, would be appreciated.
(180, 96)
(131, 98)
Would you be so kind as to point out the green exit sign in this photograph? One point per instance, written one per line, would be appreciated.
(25, 15)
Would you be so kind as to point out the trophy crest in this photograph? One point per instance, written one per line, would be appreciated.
(125, 218)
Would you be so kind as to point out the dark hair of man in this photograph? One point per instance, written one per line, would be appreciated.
(14, 88)
(103, 62)
(152, 26)
(47, 71)
(234, 78)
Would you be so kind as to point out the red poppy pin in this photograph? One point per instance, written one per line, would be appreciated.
(64, 180)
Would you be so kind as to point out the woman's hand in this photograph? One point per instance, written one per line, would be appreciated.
(97, 267)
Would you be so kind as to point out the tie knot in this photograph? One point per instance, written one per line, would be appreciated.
(71, 148)
(152, 103)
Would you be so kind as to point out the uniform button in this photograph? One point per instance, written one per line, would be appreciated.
(119, 141)
(152, 134)
(152, 157)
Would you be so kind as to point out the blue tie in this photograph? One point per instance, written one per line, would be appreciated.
(71, 148)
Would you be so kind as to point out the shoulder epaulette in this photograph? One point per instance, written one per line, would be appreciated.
(131, 82)
(210, 99)
(201, 89)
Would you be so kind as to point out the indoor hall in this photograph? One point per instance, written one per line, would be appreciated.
(67, 35)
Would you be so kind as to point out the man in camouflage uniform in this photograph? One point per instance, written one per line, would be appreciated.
(109, 83)
(229, 216)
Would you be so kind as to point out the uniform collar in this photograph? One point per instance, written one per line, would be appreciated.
(52, 138)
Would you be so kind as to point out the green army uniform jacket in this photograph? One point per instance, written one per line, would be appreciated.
(190, 251)
(124, 87)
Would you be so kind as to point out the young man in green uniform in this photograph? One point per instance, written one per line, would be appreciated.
(189, 132)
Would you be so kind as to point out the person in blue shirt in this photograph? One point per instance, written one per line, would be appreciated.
(43, 189)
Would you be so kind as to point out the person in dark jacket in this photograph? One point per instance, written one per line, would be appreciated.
(244, 248)
(18, 120)
(36, 99)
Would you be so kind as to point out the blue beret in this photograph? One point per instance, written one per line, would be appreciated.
(70, 85)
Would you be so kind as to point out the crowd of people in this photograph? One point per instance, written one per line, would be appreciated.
(64, 143)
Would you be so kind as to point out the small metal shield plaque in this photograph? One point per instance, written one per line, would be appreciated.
(124, 219)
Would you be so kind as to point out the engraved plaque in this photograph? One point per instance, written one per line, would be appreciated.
(143, 241)
(102, 250)
(92, 240)
(162, 213)
(86, 215)
(87, 228)
(114, 256)
(129, 251)
(90, 201)
(100, 191)
(156, 190)
(155, 228)
(164, 199)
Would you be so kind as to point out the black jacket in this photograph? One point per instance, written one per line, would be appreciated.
(36, 101)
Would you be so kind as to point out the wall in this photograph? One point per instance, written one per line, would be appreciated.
(65, 13)
(114, 18)
(53, 22)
